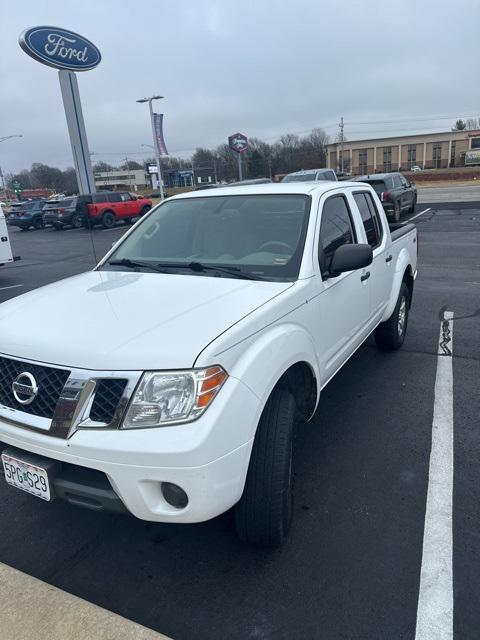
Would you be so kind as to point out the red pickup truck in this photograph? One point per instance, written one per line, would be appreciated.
(108, 208)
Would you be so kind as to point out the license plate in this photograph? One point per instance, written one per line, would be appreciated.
(26, 476)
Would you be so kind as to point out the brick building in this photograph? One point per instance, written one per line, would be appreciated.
(426, 150)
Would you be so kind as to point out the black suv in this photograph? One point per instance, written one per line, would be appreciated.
(67, 211)
(73, 211)
(396, 193)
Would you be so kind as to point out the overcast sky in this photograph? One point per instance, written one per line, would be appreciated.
(260, 67)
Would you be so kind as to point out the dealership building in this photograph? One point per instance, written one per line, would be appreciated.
(427, 151)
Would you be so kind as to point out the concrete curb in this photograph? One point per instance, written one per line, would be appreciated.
(34, 610)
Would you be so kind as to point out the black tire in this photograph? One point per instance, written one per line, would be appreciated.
(264, 512)
(38, 223)
(76, 221)
(413, 205)
(108, 220)
(389, 335)
(397, 212)
(145, 210)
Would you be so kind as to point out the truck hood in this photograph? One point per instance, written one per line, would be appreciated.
(117, 320)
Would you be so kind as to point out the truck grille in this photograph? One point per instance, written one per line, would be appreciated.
(50, 382)
(107, 397)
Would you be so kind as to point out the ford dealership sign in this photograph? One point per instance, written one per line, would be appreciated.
(60, 48)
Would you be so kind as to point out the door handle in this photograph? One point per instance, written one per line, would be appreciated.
(365, 276)
(388, 258)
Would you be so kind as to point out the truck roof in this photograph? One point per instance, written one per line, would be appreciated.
(273, 188)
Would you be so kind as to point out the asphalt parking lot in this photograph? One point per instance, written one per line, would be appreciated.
(351, 567)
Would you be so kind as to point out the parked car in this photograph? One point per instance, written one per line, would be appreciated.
(396, 193)
(104, 208)
(311, 175)
(26, 215)
(416, 168)
(70, 211)
(244, 183)
(198, 339)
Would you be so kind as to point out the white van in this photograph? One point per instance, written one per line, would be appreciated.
(5, 247)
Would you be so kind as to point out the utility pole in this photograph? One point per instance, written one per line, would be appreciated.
(341, 143)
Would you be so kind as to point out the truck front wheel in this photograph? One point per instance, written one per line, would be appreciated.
(389, 335)
(264, 513)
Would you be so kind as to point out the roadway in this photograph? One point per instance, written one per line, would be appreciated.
(351, 568)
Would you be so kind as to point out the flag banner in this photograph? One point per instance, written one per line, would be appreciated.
(158, 125)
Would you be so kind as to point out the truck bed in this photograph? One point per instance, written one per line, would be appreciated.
(400, 229)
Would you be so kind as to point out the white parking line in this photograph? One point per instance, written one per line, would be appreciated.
(12, 286)
(419, 214)
(435, 598)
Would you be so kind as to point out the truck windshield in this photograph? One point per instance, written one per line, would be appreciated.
(260, 235)
(302, 177)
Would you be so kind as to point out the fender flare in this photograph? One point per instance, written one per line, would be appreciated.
(263, 363)
(403, 264)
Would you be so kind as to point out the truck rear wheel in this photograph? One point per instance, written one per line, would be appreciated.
(390, 335)
(264, 513)
(76, 221)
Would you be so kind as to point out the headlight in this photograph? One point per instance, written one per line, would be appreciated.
(173, 397)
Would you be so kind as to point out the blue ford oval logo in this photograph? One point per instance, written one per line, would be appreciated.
(60, 48)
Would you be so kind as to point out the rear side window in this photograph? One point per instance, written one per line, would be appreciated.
(371, 222)
(336, 229)
(326, 175)
(397, 183)
(114, 197)
(100, 197)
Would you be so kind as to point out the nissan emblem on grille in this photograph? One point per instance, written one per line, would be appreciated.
(25, 388)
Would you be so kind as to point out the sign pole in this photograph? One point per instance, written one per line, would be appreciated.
(239, 158)
(76, 130)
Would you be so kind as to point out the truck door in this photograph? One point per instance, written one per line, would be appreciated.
(344, 301)
(381, 268)
(5, 248)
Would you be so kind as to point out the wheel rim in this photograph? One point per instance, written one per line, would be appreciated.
(402, 317)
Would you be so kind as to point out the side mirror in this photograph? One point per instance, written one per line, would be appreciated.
(350, 257)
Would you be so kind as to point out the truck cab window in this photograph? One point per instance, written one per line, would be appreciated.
(336, 229)
(370, 224)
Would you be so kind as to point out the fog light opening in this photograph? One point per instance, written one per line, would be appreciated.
(174, 495)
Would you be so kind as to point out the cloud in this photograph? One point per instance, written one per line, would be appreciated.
(264, 68)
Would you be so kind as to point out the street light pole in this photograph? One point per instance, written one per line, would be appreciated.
(155, 142)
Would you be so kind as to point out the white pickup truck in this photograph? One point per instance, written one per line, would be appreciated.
(5, 247)
(167, 382)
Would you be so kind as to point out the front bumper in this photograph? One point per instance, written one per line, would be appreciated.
(207, 458)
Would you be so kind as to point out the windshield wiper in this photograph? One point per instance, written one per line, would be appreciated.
(131, 264)
(236, 272)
